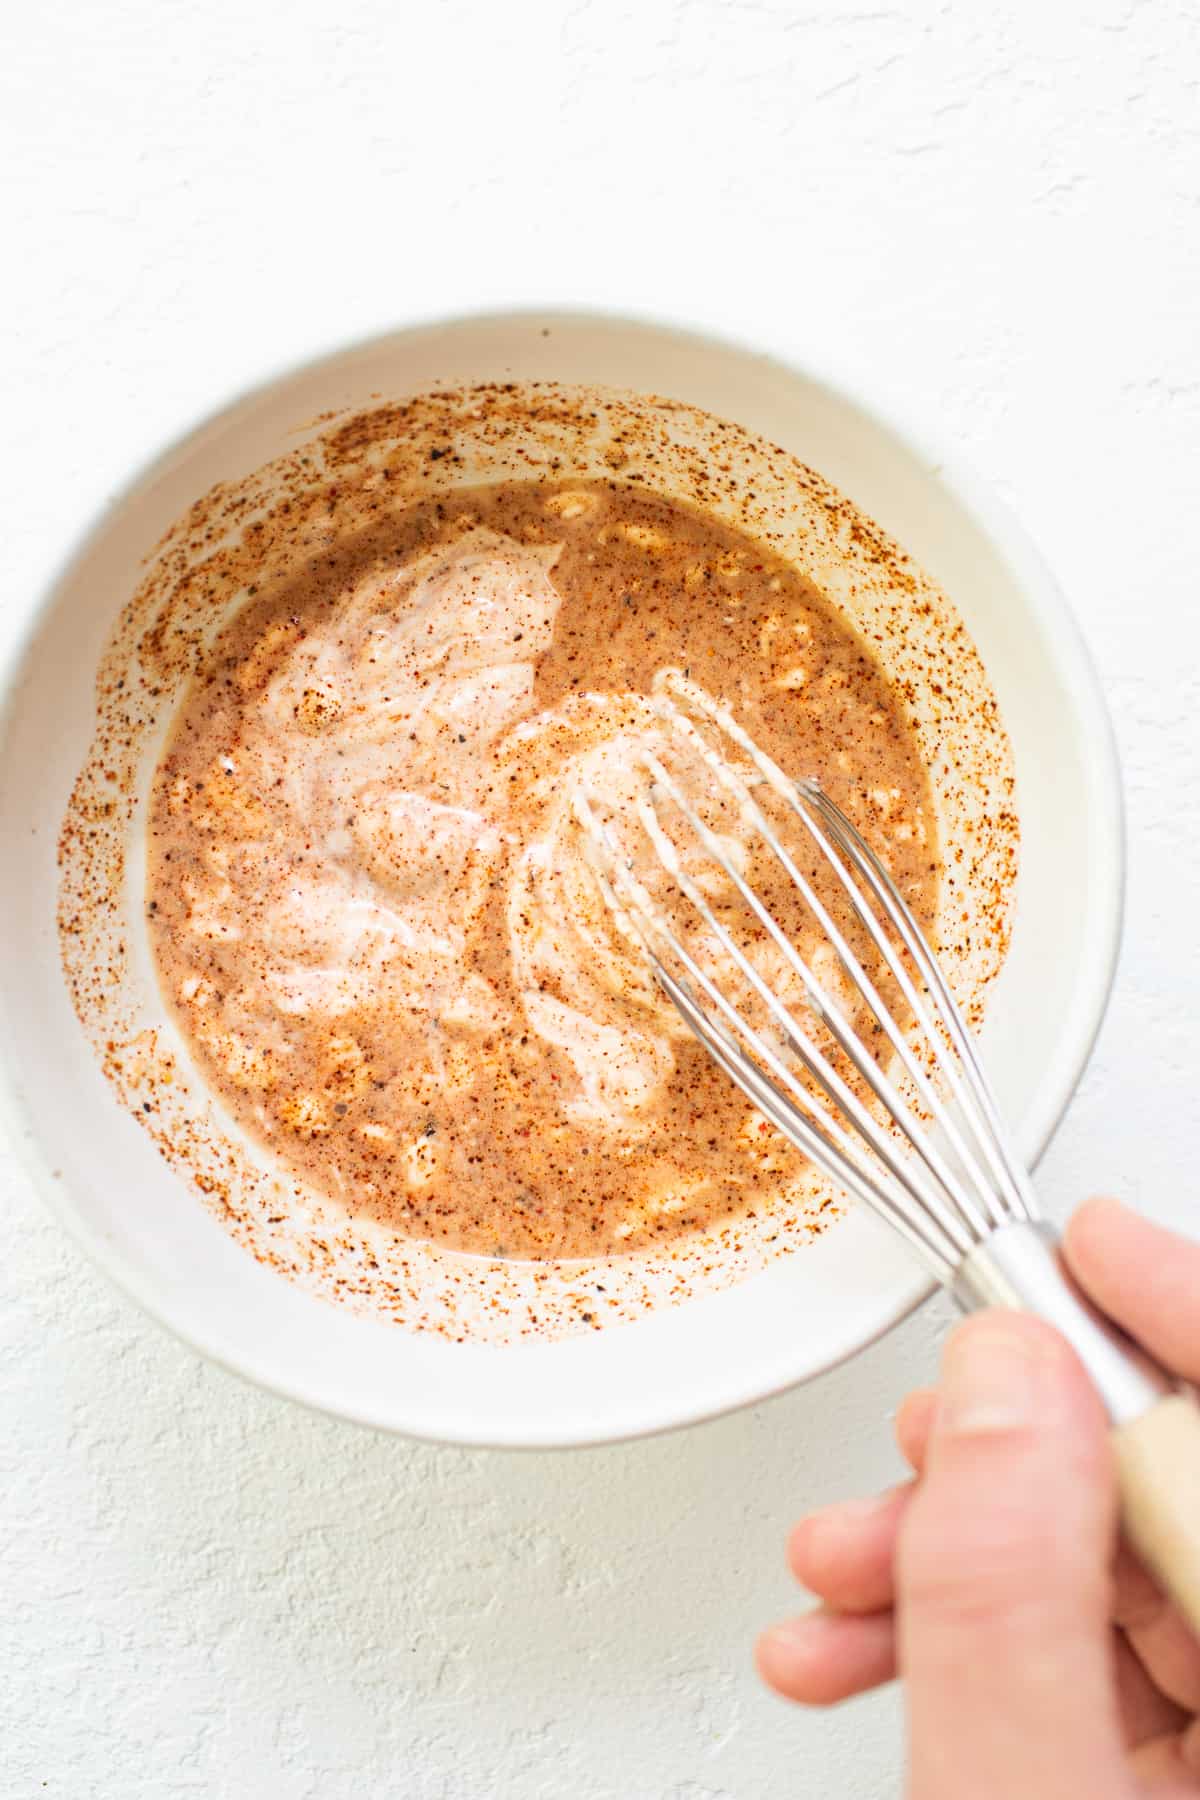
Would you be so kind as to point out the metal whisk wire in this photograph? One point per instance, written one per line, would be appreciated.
(961, 1199)
(943, 1203)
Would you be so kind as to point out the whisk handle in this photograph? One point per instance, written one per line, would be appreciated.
(1156, 1427)
(1158, 1466)
(1021, 1266)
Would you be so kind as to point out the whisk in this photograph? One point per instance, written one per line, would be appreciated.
(922, 1141)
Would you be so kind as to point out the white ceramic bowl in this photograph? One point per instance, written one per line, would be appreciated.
(106, 1181)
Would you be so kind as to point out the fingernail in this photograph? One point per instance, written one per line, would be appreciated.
(823, 1533)
(793, 1633)
(989, 1377)
(853, 1512)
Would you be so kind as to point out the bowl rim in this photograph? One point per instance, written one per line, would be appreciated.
(1101, 766)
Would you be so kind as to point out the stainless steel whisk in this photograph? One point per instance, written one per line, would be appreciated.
(940, 1166)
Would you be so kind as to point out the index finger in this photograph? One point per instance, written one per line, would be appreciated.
(1147, 1279)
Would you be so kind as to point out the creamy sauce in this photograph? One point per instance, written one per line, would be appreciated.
(368, 899)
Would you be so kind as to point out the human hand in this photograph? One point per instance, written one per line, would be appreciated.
(1038, 1657)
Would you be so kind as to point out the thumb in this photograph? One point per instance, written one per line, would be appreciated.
(1003, 1583)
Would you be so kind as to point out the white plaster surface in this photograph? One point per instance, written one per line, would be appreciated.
(991, 217)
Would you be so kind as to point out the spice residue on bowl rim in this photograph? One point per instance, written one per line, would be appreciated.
(348, 470)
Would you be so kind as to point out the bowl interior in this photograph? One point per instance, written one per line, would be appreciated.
(799, 1315)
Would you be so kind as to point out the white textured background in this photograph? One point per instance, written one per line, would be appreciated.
(991, 216)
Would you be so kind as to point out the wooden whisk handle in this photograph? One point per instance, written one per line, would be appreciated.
(1156, 1426)
(1158, 1469)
